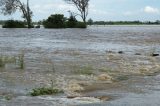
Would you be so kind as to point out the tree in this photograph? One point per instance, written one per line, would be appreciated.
(72, 21)
(55, 21)
(90, 21)
(14, 24)
(9, 7)
(82, 6)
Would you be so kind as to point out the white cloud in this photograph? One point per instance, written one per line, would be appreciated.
(149, 9)
(48, 7)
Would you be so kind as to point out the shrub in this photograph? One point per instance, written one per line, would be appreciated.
(72, 22)
(45, 91)
(55, 21)
(59, 21)
(90, 22)
(14, 24)
(81, 25)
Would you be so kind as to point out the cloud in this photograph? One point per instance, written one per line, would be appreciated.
(52, 7)
(151, 10)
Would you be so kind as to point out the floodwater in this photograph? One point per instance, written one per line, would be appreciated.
(67, 47)
(128, 38)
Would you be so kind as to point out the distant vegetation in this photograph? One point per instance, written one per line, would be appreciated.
(59, 21)
(55, 21)
(72, 21)
(91, 22)
(13, 24)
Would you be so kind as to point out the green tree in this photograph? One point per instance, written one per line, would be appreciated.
(9, 7)
(14, 24)
(72, 21)
(90, 22)
(55, 21)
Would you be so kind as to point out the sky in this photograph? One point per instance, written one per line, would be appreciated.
(107, 10)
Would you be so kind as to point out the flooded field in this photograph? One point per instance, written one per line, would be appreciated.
(97, 66)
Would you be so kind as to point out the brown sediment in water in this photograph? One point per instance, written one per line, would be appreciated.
(64, 58)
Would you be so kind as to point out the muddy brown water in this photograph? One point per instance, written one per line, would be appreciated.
(46, 49)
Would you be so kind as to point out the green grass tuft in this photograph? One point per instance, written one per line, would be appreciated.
(45, 91)
(21, 61)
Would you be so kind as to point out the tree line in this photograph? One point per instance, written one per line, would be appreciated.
(91, 22)
(9, 7)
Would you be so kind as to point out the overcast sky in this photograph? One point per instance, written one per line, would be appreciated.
(107, 10)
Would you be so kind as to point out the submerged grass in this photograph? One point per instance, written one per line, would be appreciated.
(6, 59)
(45, 91)
(8, 97)
(85, 70)
(2, 63)
(20, 61)
(104, 69)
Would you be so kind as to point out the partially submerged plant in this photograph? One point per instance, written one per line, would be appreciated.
(18, 60)
(6, 59)
(2, 63)
(21, 61)
(85, 70)
(8, 97)
(45, 91)
(104, 69)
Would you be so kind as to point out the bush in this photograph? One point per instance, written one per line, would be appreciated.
(45, 91)
(59, 21)
(72, 22)
(81, 25)
(14, 24)
(55, 21)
